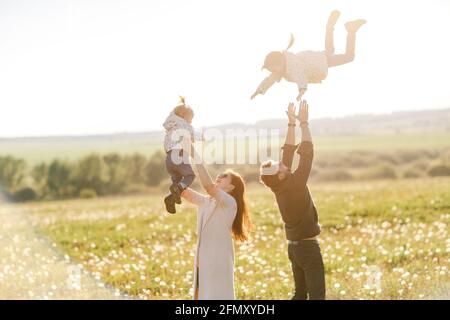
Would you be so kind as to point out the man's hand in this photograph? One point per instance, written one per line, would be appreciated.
(303, 114)
(291, 113)
(301, 92)
(253, 96)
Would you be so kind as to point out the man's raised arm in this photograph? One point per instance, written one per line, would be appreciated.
(305, 150)
(289, 144)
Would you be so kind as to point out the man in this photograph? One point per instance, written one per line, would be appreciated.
(297, 208)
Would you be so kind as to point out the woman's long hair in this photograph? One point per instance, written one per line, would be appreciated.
(242, 225)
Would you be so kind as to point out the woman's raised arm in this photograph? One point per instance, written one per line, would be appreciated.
(203, 174)
(193, 196)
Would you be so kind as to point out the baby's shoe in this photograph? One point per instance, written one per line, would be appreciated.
(353, 26)
(170, 204)
(176, 190)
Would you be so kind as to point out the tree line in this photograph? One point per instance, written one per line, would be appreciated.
(93, 175)
(115, 173)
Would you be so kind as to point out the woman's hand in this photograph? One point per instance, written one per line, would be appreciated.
(291, 113)
(303, 114)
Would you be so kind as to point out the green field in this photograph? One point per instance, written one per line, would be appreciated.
(398, 228)
(37, 150)
(382, 142)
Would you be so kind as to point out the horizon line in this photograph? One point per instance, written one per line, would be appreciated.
(156, 131)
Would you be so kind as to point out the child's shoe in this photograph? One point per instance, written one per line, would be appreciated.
(170, 204)
(176, 191)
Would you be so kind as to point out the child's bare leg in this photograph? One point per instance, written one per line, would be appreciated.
(329, 40)
(349, 55)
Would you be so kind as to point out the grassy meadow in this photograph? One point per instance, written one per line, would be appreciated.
(385, 234)
(396, 231)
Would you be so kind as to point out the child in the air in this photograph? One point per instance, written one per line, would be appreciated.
(309, 66)
(177, 143)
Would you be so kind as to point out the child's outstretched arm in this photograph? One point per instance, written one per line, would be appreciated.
(265, 85)
(301, 92)
(302, 86)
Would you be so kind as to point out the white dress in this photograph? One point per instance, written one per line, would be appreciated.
(301, 68)
(214, 256)
(306, 67)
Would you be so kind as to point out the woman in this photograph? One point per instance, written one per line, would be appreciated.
(222, 215)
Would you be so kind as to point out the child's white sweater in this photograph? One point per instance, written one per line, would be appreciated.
(179, 133)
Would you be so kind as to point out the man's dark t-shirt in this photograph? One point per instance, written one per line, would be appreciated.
(293, 197)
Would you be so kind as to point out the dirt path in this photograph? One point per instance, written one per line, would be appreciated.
(32, 268)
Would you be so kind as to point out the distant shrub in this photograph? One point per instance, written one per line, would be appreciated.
(420, 165)
(4, 194)
(334, 175)
(25, 194)
(381, 172)
(412, 173)
(155, 169)
(431, 154)
(387, 158)
(354, 159)
(407, 156)
(165, 184)
(88, 193)
(439, 170)
(326, 160)
(58, 179)
(360, 159)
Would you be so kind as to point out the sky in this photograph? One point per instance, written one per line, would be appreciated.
(104, 66)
